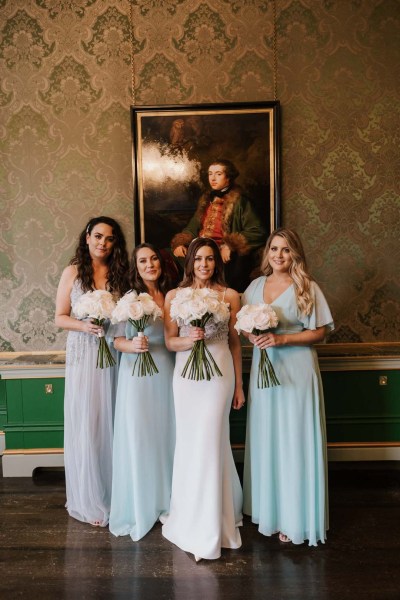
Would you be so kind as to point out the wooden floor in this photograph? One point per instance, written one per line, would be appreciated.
(45, 554)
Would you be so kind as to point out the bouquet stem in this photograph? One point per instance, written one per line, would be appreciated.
(201, 364)
(104, 357)
(266, 374)
(144, 361)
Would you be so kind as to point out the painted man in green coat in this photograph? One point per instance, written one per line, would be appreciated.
(225, 215)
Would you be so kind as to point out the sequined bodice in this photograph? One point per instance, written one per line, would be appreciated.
(213, 331)
(79, 342)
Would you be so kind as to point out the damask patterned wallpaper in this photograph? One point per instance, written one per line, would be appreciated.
(65, 91)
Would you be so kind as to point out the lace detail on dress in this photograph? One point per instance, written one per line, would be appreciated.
(214, 331)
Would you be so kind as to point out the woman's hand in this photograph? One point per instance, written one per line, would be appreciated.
(92, 328)
(238, 399)
(267, 340)
(139, 344)
(196, 334)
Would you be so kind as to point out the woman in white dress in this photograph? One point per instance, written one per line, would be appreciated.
(206, 500)
(144, 427)
(285, 474)
(100, 263)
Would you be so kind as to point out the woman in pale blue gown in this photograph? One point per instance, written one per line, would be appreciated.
(144, 428)
(100, 263)
(206, 502)
(285, 472)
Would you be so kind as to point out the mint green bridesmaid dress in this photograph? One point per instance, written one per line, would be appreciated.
(144, 440)
(285, 472)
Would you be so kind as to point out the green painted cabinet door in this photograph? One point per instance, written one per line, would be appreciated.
(34, 413)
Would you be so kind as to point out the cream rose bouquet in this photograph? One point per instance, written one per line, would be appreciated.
(257, 319)
(138, 309)
(97, 306)
(196, 307)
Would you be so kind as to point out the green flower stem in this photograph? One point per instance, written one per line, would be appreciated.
(266, 376)
(144, 361)
(104, 357)
(200, 364)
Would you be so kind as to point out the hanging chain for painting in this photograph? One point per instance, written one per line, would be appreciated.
(133, 82)
(275, 51)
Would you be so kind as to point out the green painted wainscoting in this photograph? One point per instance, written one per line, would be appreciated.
(3, 405)
(34, 413)
(359, 410)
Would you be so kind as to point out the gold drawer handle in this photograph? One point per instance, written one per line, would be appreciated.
(48, 388)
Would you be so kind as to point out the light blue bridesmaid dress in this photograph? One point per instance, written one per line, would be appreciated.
(88, 426)
(144, 440)
(285, 472)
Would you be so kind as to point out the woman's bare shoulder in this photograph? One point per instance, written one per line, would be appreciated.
(231, 295)
(171, 294)
(69, 274)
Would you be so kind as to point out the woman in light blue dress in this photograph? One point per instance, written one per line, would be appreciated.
(144, 427)
(285, 472)
(100, 263)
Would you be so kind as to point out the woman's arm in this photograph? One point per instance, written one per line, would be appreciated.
(236, 350)
(136, 345)
(308, 337)
(171, 331)
(63, 305)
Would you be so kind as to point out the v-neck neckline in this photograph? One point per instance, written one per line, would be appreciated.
(279, 296)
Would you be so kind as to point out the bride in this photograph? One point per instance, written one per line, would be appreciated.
(206, 500)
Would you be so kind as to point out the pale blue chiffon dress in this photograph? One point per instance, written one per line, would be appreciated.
(88, 424)
(144, 439)
(285, 471)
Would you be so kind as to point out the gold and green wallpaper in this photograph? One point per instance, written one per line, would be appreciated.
(70, 69)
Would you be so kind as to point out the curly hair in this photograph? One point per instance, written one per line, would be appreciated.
(118, 263)
(135, 280)
(298, 269)
(218, 276)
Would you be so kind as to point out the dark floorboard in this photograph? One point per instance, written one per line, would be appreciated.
(45, 554)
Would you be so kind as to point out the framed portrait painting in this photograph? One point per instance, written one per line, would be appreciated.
(174, 147)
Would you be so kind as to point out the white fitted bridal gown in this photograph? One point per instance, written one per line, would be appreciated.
(206, 502)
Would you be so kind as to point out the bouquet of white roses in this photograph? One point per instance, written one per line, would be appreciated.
(138, 309)
(196, 307)
(257, 319)
(97, 306)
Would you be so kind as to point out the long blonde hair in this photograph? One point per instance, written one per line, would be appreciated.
(298, 269)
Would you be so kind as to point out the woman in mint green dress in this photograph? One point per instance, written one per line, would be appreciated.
(144, 426)
(285, 473)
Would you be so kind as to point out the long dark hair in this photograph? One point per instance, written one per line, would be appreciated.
(218, 277)
(136, 282)
(117, 262)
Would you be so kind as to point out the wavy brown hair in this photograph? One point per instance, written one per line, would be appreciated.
(136, 282)
(218, 277)
(298, 269)
(230, 170)
(117, 262)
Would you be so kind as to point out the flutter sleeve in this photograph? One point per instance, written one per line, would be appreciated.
(254, 292)
(321, 314)
(119, 329)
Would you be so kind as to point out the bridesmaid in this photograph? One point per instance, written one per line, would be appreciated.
(206, 500)
(100, 263)
(285, 472)
(144, 429)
